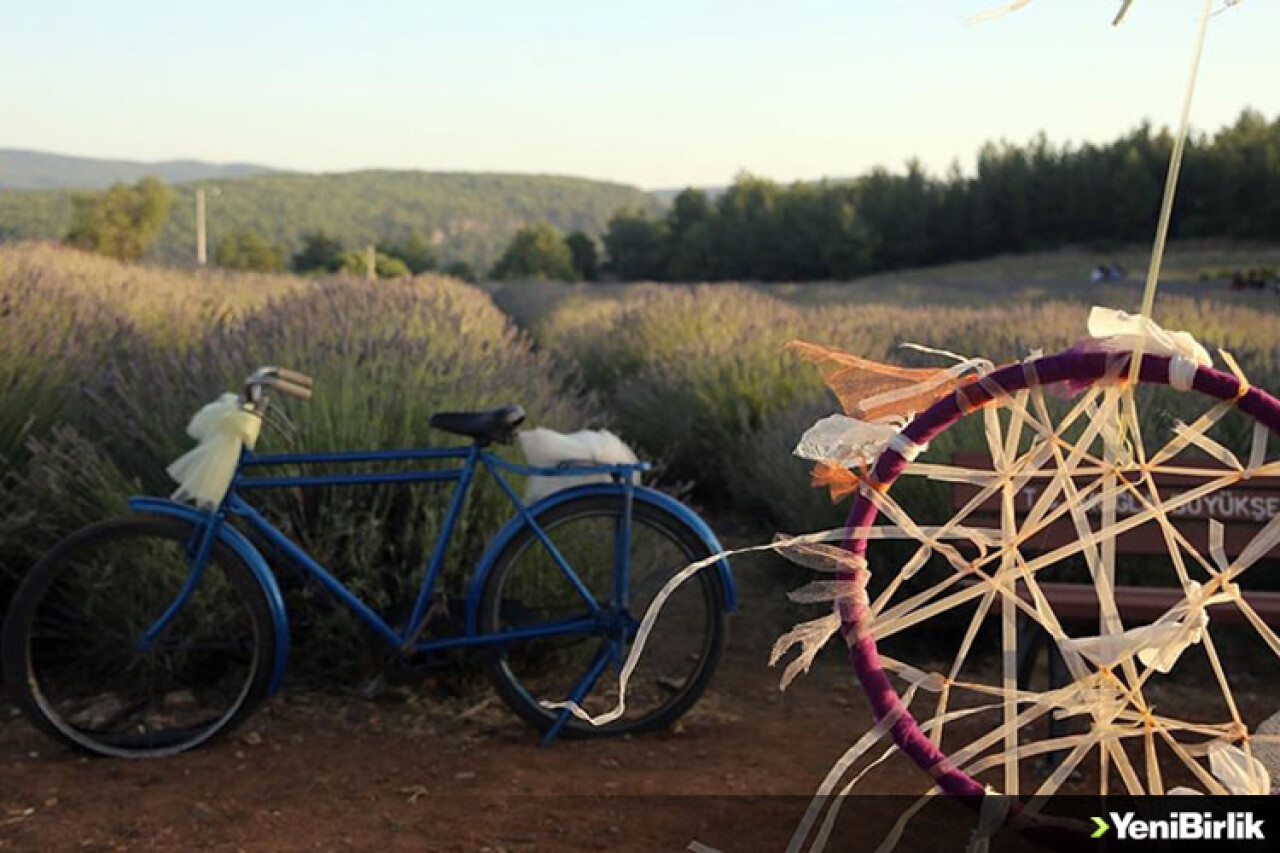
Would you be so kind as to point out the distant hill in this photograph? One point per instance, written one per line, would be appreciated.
(667, 196)
(469, 217)
(40, 170)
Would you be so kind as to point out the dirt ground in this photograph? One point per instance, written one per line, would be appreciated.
(329, 775)
(323, 773)
(403, 772)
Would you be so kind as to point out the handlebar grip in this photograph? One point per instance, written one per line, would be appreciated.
(284, 386)
(294, 377)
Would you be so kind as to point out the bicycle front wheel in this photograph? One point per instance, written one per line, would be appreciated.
(528, 590)
(80, 669)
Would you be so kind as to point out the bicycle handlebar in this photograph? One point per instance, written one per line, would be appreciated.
(286, 387)
(294, 377)
(279, 379)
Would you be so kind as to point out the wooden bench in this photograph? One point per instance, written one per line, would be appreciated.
(1243, 509)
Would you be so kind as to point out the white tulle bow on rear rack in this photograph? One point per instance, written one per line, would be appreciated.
(546, 448)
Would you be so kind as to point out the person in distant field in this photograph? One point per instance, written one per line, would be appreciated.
(1099, 274)
(1237, 280)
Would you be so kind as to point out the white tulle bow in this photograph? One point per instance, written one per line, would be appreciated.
(222, 427)
(546, 448)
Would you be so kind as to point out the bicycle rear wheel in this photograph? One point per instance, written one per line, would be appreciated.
(526, 589)
(72, 653)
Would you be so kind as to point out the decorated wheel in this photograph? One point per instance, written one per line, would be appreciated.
(1176, 702)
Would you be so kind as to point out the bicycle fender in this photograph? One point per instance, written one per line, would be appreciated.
(641, 495)
(252, 558)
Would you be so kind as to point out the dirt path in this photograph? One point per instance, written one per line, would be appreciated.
(306, 776)
(315, 773)
(325, 772)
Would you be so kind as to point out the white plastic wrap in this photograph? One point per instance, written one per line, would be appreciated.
(1114, 330)
(1158, 645)
(1242, 774)
(844, 440)
(1266, 748)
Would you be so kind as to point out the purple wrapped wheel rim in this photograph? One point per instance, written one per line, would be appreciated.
(1074, 366)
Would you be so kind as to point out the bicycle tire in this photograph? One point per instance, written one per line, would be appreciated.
(170, 700)
(703, 600)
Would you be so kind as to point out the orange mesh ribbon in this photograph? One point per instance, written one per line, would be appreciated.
(856, 380)
(840, 480)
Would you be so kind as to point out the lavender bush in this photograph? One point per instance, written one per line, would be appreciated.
(697, 377)
(385, 356)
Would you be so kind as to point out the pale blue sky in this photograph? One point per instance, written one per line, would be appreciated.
(658, 94)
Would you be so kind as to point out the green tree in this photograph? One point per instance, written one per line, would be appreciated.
(899, 211)
(122, 221)
(416, 253)
(747, 235)
(389, 267)
(537, 251)
(385, 266)
(689, 225)
(637, 246)
(825, 236)
(247, 250)
(320, 253)
(460, 269)
(586, 257)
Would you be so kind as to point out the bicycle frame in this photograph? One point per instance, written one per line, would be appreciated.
(471, 458)
(210, 526)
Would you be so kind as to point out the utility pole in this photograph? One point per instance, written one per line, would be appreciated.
(202, 257)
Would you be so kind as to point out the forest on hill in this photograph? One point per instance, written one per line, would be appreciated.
(465, 217)
(1020, 198)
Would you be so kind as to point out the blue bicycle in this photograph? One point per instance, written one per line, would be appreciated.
(552, 605)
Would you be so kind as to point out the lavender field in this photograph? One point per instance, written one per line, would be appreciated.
(101, 365)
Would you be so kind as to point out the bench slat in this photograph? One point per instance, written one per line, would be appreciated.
(1078, 602)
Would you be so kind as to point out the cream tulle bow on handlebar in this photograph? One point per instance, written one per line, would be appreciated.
(223, 428)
